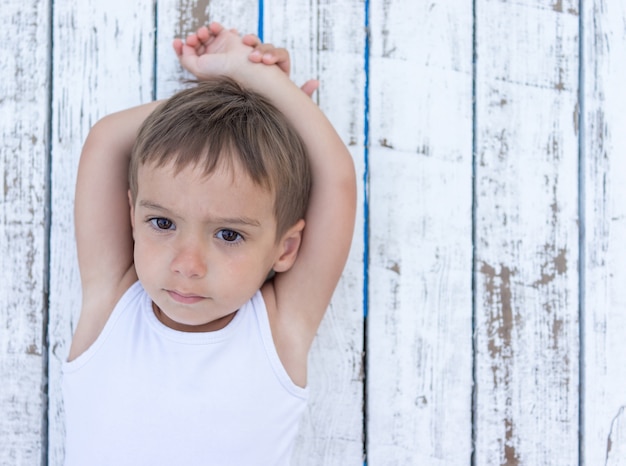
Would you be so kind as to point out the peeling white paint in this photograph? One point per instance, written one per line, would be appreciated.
(421, 371)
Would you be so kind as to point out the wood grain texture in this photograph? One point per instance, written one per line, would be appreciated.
(24, 96)
(604, 170)
(102, 62)
(528, 184)
(526, 240)
(419, 345)
(326, 41)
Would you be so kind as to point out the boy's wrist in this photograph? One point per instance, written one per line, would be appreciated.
(228, 56)
(268, 80)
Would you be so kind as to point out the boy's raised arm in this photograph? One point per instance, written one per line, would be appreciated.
(306, 289)
(308, 286)
(102, 220)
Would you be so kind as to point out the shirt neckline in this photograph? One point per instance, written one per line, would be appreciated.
(180, 336)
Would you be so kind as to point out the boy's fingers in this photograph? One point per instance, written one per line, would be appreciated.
(192, 40)
(203, 34)
(266, 48)
(270, 59)
(255, 56)
(251, 39)
(178, 46)
(187, 52)
(310, 86)
(215, 28)
(281, 57)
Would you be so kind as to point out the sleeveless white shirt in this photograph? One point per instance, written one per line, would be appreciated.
(145, 394)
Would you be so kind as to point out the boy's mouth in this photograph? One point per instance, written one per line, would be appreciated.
(184, 298)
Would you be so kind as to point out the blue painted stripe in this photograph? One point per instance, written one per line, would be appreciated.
(260, 21)
(366, 223)
(366, 143)
(155, 48)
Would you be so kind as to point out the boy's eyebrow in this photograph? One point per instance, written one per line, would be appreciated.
(152, 205)
(227, 220)
(238, 221)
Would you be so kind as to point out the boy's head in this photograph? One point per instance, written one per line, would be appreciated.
(217, 124)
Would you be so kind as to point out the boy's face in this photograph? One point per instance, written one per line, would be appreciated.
(203, 244)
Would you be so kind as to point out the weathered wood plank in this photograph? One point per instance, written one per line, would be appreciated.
(526, 240)
(103, 62)
(24, 97)
(326, 41)
(604, 169)
(419, 346)
(526, 237)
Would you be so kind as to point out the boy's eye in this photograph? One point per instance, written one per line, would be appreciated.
(162, 223)
(229, 236)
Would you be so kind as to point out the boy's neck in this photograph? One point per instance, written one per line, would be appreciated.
(212, 326)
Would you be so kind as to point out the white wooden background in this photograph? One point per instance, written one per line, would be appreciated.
(481, 319)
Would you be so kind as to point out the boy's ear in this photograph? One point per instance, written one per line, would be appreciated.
(288, 247)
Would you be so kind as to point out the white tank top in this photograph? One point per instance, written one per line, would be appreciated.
(145, 394)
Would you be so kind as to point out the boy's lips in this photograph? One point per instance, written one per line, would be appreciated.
(184, 298)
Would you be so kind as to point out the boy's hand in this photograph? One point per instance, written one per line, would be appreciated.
(267, 53)
(270, 55)
(208, 51)
(205, 53)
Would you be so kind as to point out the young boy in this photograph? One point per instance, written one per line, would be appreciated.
(199, 312)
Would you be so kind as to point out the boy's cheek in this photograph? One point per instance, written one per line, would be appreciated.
(141, 256)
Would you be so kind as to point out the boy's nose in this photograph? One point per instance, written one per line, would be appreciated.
(190, 261)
